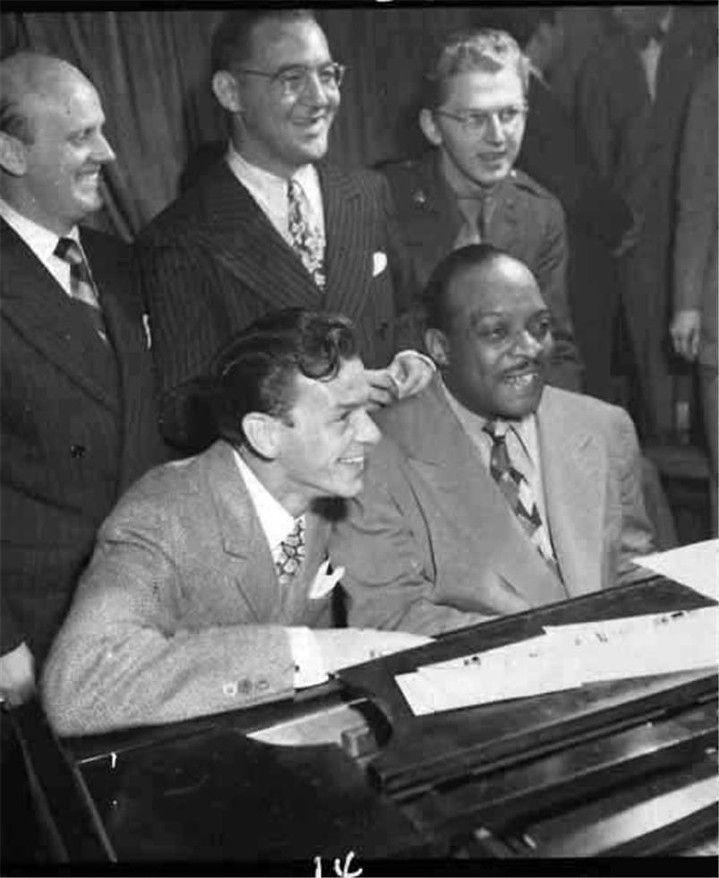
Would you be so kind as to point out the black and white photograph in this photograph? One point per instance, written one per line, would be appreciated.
(359, 439)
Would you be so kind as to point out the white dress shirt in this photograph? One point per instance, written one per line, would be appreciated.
(270, 192)
(651, 54)
(42, 242)
(277, 524)
(523, 448)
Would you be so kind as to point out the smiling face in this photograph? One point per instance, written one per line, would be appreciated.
(477, 159)
(323, 445)
(60, 183)
(280, 132)
(495, 353)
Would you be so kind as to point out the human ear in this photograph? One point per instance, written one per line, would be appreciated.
(437, 346)
(13, 155)
(224, 86)
(429, 127)
(262, 433)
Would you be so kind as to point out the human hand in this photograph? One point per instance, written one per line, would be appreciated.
(411, 372)
(631, 237)
(17, 675)
(383, 388)
(684, 331)
(407, 374)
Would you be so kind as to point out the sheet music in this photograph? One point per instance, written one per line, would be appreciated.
(696, 565)
(565, 657)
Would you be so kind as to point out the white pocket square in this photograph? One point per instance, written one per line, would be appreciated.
(146, 327)
(379, 262)
(324, 581)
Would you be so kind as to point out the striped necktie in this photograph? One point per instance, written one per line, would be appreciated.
(516, 490)
(82, 286)
(307, 241)
(291, 553)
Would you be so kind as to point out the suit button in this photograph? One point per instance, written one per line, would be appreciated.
(382, 329)
(77, 451)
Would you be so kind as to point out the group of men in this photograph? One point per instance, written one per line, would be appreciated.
(284, 322)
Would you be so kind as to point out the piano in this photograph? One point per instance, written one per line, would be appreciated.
(345, 777)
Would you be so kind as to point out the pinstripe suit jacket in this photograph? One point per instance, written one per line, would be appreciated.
(180, 612)
(78, 425)
(212, 263)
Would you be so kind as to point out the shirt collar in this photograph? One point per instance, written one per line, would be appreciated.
(39, 239)
(265, 181)
(525, 430)
(275, 520)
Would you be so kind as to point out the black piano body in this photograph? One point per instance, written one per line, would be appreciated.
(345, 770)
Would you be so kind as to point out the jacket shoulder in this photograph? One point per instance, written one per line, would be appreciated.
(523, 183)
(188, 210)
(592, 413)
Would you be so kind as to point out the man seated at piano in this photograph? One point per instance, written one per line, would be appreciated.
(210, 587)
(489, 492)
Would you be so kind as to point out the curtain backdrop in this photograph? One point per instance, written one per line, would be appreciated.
(152, 71)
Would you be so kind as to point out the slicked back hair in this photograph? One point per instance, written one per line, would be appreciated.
(232, 41)
(257, 370)
(436, 299)
(483, 50)
(21, 74)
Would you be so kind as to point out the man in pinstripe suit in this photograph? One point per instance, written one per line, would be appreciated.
(78, 419)
(227, 251)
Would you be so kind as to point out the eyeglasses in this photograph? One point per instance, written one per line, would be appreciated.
(477, 121)
(294, 81)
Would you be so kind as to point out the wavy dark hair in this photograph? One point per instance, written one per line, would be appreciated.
(256, 370)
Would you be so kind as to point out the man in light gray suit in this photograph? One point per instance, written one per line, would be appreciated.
(209, 574)
(490, 493)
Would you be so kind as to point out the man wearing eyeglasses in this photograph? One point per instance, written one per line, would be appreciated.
(271, 225)
(466, 190)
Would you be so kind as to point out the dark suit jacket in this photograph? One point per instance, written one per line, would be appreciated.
(431, 544)
(554, 155)
(212, 263)
(695, 253)
(526, 221)
(78, 425)
(180, 612)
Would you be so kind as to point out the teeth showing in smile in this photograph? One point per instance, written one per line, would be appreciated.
(354, 461)
(523, 380)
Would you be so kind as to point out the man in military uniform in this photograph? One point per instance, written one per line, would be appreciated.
(466, 189)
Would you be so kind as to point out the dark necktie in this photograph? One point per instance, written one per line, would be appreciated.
(476, 213)
(306, 238)
(82, 287)
(291, 553)
(516, 489)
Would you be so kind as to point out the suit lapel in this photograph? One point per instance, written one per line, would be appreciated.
(39, 308)
(574, 473)
(241, 237)
(241, 532)
(448, 461)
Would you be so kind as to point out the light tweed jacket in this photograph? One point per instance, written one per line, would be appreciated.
(431, 544)
(180, 613)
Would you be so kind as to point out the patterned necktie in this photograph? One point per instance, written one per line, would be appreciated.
(82, 287)
(291, 553)
(516, 489)
(307, 241)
